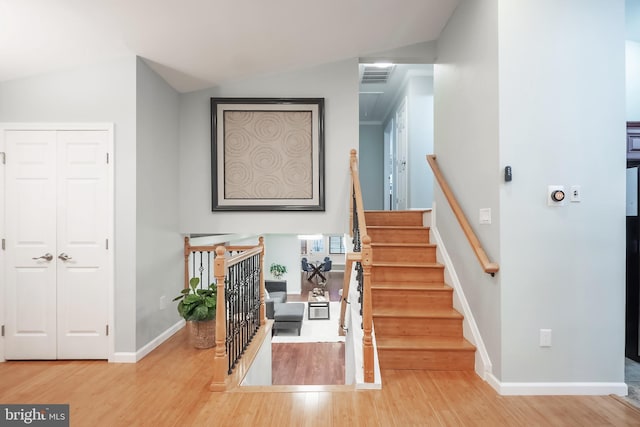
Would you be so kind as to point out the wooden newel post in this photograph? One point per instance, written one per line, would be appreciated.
(263, 311)
(367, 320)
(352, 161)
(187, 252)
(220, 362)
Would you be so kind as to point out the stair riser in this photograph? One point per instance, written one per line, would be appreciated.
(399, 235)
(407, 274)
(394, 218)
(410, 299)
(401, 326)
(440, 360)
(399, 253)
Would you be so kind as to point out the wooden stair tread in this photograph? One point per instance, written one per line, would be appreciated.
(408, 264)
(412, 286)
(408, 312)
(424, 343)
(405, 245)
(398, 227)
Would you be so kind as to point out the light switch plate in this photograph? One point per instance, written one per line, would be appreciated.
(485, 216)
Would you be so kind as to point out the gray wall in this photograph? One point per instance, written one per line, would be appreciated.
(338, 84)
(633, 80)
(466, 145)
(159, 252)
(371, 165)
(564, 126)
(509, 94)
(103, 92)
(420, 105)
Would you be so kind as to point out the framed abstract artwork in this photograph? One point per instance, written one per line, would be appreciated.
(267, 154)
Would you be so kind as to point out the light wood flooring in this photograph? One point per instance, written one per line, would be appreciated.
(169, 388)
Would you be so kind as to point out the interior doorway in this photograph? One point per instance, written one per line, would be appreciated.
(396, 132)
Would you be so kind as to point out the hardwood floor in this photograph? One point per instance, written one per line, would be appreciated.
(169, 387)
(308, 363)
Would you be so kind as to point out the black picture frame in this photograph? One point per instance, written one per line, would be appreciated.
(267, 154)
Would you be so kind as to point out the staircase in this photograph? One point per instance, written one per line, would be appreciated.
(415, 324)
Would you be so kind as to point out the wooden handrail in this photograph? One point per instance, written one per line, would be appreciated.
(366, 261)
(355, 179)
(488, 266)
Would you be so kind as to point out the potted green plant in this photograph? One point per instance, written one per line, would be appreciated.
(277, 270)
(198, 308)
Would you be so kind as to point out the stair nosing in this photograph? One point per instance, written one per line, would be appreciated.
(412, 286)
(422, 343)
(408, 264)
(428, 313)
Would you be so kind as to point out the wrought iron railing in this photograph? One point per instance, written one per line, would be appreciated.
(242, 298)
(237, 272)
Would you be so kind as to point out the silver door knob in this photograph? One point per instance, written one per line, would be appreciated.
(64, 257)
(47, 257)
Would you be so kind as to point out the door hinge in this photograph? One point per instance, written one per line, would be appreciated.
(4, 158)
(3, 244)
(107, 330)
(2, 330)
(106, 244)
(107, 158)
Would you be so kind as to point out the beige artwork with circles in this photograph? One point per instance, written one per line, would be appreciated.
(268, 155)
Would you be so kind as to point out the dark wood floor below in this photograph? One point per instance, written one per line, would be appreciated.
(308, 363)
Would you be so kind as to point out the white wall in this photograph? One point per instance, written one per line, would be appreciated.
(466, 145)
(633, 80)
(562, 122)
(102, 92)
(371, 165)
(159, 254)
(284, 249)
(338, 84)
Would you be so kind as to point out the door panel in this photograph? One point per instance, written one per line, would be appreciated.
(31, 233)
(82, 229)
(401, 156)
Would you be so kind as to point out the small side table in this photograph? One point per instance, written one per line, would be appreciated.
(318, 306)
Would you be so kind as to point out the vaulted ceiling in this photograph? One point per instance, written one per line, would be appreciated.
(195, 44)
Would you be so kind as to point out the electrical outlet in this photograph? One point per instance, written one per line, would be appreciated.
(545, 337)
(163, 302)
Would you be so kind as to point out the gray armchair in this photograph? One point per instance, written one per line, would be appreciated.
(277, 290)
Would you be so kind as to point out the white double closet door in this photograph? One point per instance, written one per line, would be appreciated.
(57, 213)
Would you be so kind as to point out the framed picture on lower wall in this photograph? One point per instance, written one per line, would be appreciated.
(267, 154)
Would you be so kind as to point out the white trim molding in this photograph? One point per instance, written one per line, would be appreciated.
(131, 357)
(557, 388)
(483, 365)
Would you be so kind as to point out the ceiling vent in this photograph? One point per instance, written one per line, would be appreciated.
(376, 74)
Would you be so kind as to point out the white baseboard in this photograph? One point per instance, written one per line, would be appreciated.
(483, 365)
(557, 389)
(130, 357)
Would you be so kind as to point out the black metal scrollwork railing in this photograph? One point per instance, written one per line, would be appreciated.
(242, 294)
